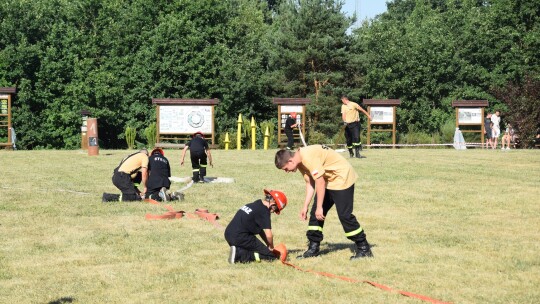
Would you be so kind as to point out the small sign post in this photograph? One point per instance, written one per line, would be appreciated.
(6, 96)
(286, 106)
(382, 112)
(470, 113)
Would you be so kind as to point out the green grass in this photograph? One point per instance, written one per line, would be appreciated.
(459, 226)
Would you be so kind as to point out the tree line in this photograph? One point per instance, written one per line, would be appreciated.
(113, 57)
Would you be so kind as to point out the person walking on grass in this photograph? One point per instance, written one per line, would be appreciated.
(132, 171)
(331, 178)
(351, 120)
(200, 156)
(249, 221)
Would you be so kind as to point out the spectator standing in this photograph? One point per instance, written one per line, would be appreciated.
(487, 130)
(496, 120)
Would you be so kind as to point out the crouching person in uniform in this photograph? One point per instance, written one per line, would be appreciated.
(131, 171)
(251, 220)
(159, 172)
(200, 156)
(331, 178)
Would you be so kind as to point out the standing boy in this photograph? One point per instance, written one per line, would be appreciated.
(290, 123)
(351, 120)
(249, 221)
(200, 156)
(331, 178)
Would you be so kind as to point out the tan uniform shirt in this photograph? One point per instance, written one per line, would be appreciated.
(134, 164)
(319, 161)
(351, 111)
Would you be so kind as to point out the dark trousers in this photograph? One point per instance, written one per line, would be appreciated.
(199, 164)
(290, 138)
(344, 201)
(352, 134)
(123, 182)
(248, 247)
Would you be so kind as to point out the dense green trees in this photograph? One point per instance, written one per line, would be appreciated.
(112, 57)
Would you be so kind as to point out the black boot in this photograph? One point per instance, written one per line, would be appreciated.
(363, 250)
(312, 251)
(351, 154)
(109, 197)
(357, 150)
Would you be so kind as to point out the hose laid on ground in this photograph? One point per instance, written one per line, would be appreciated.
(280, 250)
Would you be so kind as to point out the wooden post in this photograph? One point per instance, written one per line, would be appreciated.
(93, 143)
(253, 126)
(239, 132)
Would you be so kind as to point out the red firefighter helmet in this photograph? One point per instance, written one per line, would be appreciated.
(158, 150)
(279, 197)
(198, 133)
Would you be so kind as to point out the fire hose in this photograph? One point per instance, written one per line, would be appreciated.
(280, 250)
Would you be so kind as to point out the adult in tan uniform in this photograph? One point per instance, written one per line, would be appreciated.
(128, 172)
(331, 178)
(351, 120)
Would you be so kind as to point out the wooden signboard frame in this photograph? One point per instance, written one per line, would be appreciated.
(6, 97)
(178, 119)
(287, 106)
(382, 112)
(472, 114)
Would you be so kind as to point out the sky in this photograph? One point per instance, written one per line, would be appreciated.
(364, 8)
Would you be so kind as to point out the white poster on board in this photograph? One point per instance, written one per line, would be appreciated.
(290, 109)
(382, 114)
(470, 116)
(185, 119)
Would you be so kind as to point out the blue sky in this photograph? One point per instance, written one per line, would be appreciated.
(364, 8)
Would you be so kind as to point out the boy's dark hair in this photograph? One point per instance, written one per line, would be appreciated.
(282, 157)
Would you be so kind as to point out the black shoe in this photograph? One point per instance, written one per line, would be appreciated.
(363, 250)
(312, 251)
(351, 153)
(357, 150)
(177, 196)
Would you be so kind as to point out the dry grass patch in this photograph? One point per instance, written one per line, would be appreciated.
(459, 226)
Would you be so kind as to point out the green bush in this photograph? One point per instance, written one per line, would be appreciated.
(317, 138)
(130, 137)
(339, 137)
(447, 131)
(271, 125)
(232, 138)
(151, 133)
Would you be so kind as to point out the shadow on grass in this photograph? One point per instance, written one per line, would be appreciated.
(62, 300)
(327, 248)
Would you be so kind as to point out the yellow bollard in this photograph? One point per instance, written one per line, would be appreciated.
(227, 141)
(239, 134)
(252, 133)
(266, 137)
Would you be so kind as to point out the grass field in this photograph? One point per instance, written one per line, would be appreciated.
(458, 226)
